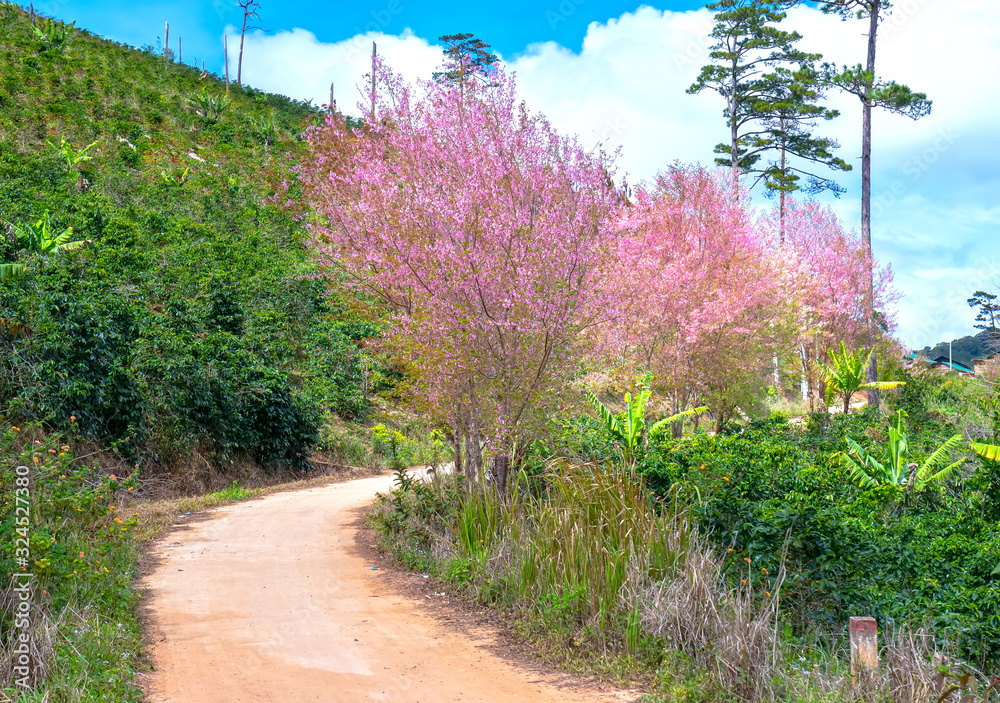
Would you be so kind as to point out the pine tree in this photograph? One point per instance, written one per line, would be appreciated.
(465, 57)
(862, 82)
(747, 50)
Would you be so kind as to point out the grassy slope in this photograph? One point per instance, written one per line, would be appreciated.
(190, 319)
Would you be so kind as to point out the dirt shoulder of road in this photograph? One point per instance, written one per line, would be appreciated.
(463, 614)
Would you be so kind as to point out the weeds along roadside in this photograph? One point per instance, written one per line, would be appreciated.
(603, 578)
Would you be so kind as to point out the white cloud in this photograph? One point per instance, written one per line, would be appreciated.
(300, 66)
(935, 181)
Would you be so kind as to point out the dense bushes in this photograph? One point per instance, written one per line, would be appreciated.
(777, 493)
(191, 319)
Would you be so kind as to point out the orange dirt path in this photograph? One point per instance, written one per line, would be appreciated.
(267, 601)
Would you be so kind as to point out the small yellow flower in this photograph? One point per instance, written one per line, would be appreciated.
(137, 514)
(72, 418)
(725, 478)
(15, 429)
(131, 488)
(729, 550)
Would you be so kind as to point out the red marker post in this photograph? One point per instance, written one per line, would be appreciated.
(864, 645)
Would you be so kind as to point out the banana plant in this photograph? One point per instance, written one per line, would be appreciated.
(53, 35)
(210, 107)
(987, 451)
(869, 472)
(38, 238)
(69, 154)
(629, 431)
(845, 375)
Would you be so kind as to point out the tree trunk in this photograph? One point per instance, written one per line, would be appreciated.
(501, 472)
(781, 194)
(734, 128)
(866, 195)
(243, 33)
(457, 437)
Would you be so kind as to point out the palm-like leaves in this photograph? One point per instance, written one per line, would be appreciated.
(629, 432)
(37, 238)
(868, 472)
(987, 451)
(845, 375)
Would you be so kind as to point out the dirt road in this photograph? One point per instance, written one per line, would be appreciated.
(268, 601)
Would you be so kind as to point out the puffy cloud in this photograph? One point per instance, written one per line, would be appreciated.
(934, 181)
(300, 66)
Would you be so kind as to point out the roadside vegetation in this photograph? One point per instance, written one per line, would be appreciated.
(724, 566)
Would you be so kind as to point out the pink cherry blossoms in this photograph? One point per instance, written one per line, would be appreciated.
(481, 230)
(503, 260)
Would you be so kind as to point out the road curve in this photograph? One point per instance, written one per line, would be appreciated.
(266, 601)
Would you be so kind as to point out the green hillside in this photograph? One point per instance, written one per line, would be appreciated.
(966, 349)
(189, 318)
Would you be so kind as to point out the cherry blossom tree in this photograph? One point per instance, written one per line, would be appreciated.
(482, 232)
(830, 269)
(699, 291)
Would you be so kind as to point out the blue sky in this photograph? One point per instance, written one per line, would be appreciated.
(508, 26)
(615, 72)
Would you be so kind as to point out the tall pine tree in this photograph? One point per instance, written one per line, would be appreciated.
(772, 91)
(862, 81)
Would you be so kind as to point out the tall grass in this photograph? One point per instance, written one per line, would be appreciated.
(593, 536)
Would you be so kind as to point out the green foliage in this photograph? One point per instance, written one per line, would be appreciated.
(83, 558)
(777, 494)
(212, 107)
(631, 431)
(38, 238)
(53, 36)
(71, 156)
(868, 472)
(845, 375)
(193, 318)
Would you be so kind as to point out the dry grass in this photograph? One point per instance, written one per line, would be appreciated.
(728, 632)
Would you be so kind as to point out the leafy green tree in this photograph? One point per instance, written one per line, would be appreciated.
(868, 472)
(755, 67)
(845, 375)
